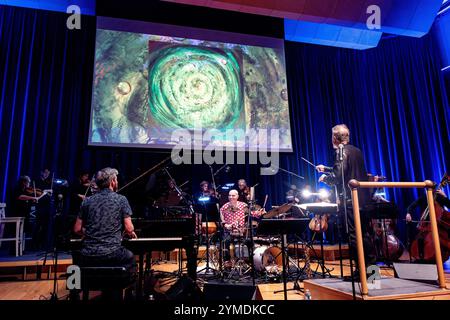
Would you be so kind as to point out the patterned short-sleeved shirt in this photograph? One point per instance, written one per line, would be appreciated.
(102, 216)
(234, 215)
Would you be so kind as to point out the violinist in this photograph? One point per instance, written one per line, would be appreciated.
(44, 182)
(23, 196)
(25, 205)
(80, 190)
(243, 191)
(206, 190)
(170, 196)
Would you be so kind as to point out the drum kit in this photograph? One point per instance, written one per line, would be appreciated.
(267, 254)
(267, 257)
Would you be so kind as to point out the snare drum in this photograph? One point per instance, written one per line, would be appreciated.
(265, 257)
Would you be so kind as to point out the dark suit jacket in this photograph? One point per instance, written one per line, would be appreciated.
(354, 168)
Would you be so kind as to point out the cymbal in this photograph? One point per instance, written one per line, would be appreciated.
(277, 211)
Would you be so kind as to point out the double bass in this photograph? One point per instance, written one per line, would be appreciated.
(387, 244)
(422, 247)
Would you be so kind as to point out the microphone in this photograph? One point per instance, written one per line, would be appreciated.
(341, 152)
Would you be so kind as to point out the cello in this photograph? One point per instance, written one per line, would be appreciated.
(422, 247)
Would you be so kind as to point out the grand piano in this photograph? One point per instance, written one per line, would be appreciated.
(158, 235)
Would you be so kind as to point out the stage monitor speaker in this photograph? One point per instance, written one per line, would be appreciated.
(185, 289)
(229, 292)
(416, 272)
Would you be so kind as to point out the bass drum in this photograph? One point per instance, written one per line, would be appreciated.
(267, 257)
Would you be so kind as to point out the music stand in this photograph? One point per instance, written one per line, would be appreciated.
(208, 210)
(282, 227)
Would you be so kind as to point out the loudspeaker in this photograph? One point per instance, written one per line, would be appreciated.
(230, 292)
(185, 289)
(416, 272)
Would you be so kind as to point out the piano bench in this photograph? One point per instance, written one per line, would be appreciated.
(110, 280)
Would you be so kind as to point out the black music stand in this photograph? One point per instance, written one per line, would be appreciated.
(210, 210)
(282, 227)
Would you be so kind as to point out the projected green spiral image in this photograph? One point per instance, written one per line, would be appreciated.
(147, 87)
(191, 87)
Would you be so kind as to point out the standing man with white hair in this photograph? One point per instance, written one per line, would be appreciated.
(349, 161)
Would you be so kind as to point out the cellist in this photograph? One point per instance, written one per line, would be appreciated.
(441, 199)
(422, 247)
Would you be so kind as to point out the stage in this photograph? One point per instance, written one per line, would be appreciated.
(26, 278)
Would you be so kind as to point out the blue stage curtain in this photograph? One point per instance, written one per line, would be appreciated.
(393, 98)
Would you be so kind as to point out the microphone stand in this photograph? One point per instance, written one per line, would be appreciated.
(213, 174)
(250, 230)
(191, 210)
(344, 195)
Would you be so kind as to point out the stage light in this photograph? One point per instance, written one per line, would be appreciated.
(203, 199)
(324, 194)
(306, 193)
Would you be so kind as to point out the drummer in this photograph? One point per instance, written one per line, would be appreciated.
(232, 215)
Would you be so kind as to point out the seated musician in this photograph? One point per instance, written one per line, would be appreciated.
(422, 203)
(243, 191)
(80, 190)
(233, 214)
(24, 199)
(170, 196)
(100, 222)
(205, 189)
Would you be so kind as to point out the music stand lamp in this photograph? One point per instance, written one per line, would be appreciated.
(207, 269)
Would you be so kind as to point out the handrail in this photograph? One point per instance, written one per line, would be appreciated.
(429, 185)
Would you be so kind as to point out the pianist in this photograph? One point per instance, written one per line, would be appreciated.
(100, 222)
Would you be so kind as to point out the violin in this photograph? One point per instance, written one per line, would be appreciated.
(33, 192)
(319, 223)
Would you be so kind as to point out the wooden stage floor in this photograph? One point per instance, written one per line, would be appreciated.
(41, 289)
